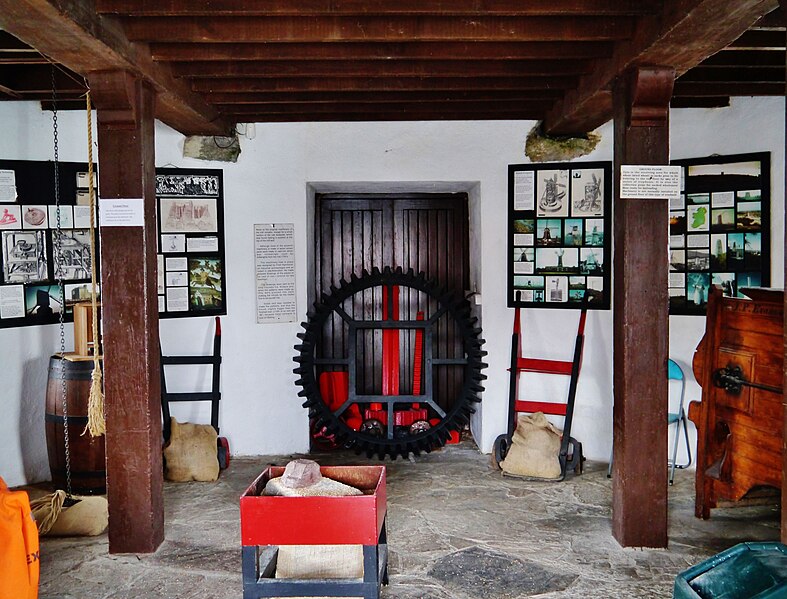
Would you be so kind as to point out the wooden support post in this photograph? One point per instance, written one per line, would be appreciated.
(639, 488)
(130, 315)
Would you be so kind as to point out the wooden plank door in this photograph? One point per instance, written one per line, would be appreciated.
(428, 233)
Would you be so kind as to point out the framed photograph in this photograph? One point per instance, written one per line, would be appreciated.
(552, 193)
(722, 234)
(10, 217)
(187, 183)
(24, 256)
(557, 247)
(587, 192)
(188, 215)
(71, 254)
(205, 284)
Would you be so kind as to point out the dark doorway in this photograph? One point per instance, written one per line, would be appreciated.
(425, 232)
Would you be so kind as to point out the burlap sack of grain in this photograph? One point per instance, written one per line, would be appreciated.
(320, 561)
(535, 447)
(190, 453)
(88, 517)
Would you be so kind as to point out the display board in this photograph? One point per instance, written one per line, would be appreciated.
(719, 229)
(191, 275)
(29, 241)
(559, 231)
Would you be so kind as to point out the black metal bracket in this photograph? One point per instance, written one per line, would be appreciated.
(731, 379)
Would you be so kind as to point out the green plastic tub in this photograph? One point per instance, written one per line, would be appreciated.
(745, 571)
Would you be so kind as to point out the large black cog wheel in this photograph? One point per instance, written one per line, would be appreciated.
(453, 416)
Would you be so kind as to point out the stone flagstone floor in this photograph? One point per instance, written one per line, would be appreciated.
(457, 529)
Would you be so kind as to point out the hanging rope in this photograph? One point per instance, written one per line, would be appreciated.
(96, 424)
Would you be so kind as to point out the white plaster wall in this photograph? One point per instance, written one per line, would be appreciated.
(272, 182)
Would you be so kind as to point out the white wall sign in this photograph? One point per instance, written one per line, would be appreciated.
(121, 212)
(7, 186)
(639, 182)
(274, 272)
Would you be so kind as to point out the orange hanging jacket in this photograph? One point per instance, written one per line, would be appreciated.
(18, 546)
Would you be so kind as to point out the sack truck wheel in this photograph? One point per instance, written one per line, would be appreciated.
(500, 450)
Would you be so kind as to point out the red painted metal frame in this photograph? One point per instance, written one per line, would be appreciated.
(391, 342)
(356, 520)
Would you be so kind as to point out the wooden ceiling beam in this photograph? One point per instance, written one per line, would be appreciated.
(735, 74)
(319, 84)
(700, 102)
(519, 115)
(727, 88)
(469, 106)
(687, 32)
(182, 52)
(760, 39)
(71, 33)
(314, 8)
(745, 59)
(38, 79)
(366, 29)
(376, 68)
(372, 96)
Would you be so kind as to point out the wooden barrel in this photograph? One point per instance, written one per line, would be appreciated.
(88, 467)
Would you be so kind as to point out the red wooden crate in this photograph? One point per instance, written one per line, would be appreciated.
(316, 520)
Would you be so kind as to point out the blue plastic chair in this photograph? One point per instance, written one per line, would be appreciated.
(674, 373)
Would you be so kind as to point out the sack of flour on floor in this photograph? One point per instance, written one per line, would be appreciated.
(535, 448)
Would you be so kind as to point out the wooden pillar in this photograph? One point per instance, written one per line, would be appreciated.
(130, 315)
(639, 488)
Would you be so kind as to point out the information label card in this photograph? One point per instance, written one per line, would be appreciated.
(638, 182)
(274, 267)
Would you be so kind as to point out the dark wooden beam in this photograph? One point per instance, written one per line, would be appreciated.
(135, 479)
(377, 68)
(760, 40)
(365, 29)
(640, 318)
(731, 57)
(38, 79)
(734, 75)
(670, 39)
(727, 88)
(166, 51)
(316, 84)
(773, 20)
(371, 108)
(314, 8)
(308, 117)
(699, 102)
(426, 96)
(70, 32)
(13, 94)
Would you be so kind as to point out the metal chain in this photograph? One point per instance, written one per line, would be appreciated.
(61, 286)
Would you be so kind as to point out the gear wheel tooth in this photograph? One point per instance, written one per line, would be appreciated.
(376, 271)
(354, 278)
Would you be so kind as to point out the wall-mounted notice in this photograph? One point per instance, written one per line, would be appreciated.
(7, 186)
(121, 212)
(642, 182)
(274, 272)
